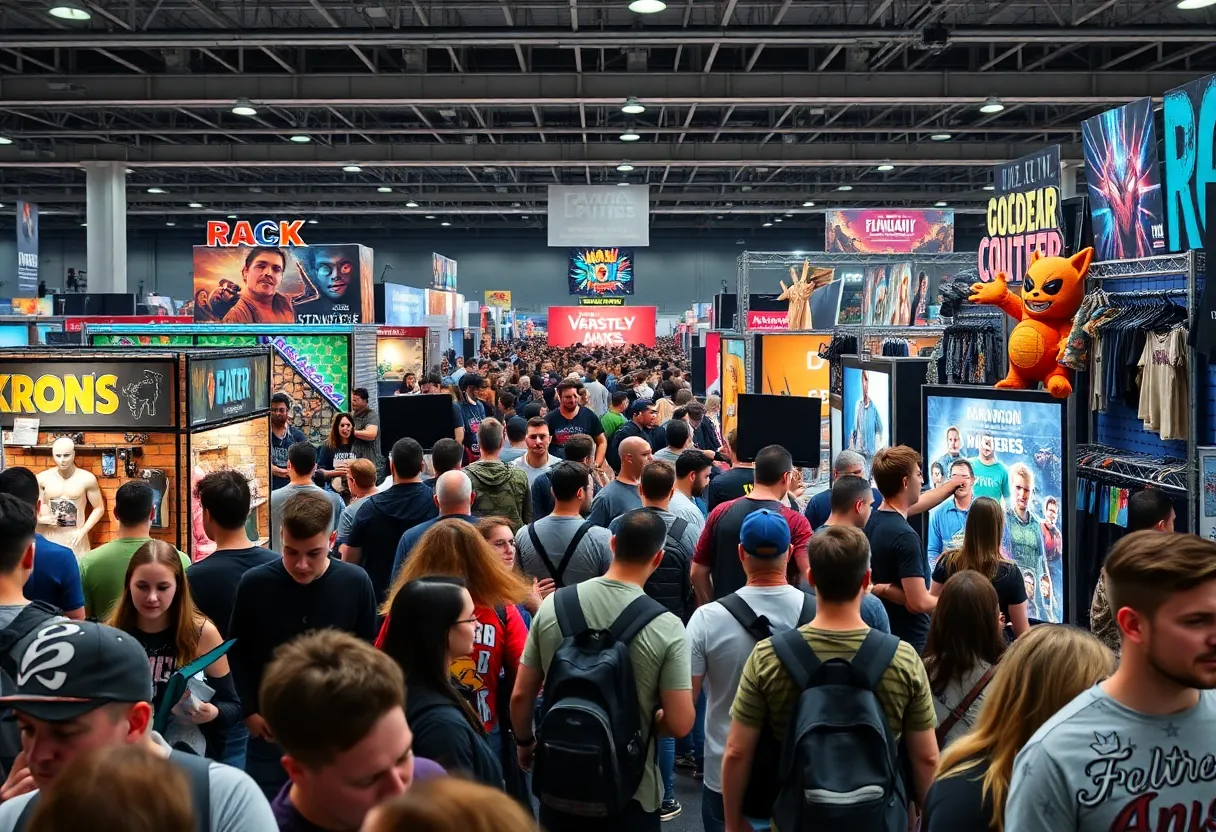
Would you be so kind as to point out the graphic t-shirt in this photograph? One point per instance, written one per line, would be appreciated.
(561, 428)
(477, 675)
(991, 479)
(1099, 766)
(278, 452)
(471, 416)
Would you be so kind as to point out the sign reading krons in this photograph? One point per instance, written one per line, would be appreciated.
(604, 327)
(599, 215)
(108, 395)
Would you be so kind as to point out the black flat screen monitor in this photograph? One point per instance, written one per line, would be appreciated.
(426, 417)
(763, 420)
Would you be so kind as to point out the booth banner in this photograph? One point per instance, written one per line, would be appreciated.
(587, 325)
(791, 366)
(399, 351)
(1023, 216)
(499, 298)
(109, 395)
(1124, 181)
(601, 272)
(760, 321)
(324, 284)
(734, 381)
(27, 249)
(225, 388)
(889, 297)
(889, 231)
(76, 324)
(443, 272)
(1190, 168)
(323, 360)
(1014, 444)
(142, 340)
(404, 305)
(599, 215)
(601, 301)
(713, 363)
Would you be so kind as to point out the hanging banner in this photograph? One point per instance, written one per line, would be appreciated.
(1124, 180)
(107, 395)
(500, 299)
(588, 326)
(1023, 216)
(443, 272)
(224, 388)
(267, 284)
(889, 231)
(599, 215)
(761, 321)
(27, 249)
(713, 363)
(1190, 120)
(601, 272)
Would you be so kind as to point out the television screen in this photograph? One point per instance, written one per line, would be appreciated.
(1013, 441)
(14, 335)
(428, 416)
(759, 413)
(866, 412)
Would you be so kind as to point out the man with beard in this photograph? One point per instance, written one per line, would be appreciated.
(282, 436)
(216, 306)
(261, 302)
(1134, 751)
(692, 478)
(642, 417)
(991, 478)
(1023, 542)
(1053, 544)
(948, 521)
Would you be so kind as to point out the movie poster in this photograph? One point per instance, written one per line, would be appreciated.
(734, 382)
(791, 366)
(532, 325)
(887, 295)
(1013, 441)
(852, 291)
(866, 411)
(443, 273)
(1190, 112)
(713, 364)
(1124, 180)
(889, 231)
(601, 272)
(825, 305)
(323, 284)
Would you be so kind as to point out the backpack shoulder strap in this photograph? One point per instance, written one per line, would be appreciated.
(544, 556)
(875, 655)
(756, 625)
(676, 532)
(796, 656)
(198, 770)
(809, 605)
(640, 612)
(570, 618)
(568, 555)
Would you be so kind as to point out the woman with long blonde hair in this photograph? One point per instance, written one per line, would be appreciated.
(981, 552)
(1040, 673)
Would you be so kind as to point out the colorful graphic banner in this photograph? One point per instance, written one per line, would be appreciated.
(532, 326)
(601, 272)
(760, 321)
(590, 326)
(225, 388)
(889, 297)
(1023, 216)
(791, 366)
(889, 231)
(443, 272)
(498, 298)
(1124, 181)
(324, 284)
(77, 323)
(105, 395)
(27, 249)
(601, 301)
(713, 363)
(734, 381)
(1190, 169)
(404, 305)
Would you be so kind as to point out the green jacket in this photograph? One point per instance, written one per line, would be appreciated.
(501, 489)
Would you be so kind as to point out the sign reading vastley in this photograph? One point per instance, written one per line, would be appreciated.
(599, 215)
(591, 326)
(109, 394)
(225, 388)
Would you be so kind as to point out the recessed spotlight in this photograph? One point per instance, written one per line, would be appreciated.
(994, 105)
(411, 204)
(69, 13)
(624, 167)
(990, 187)
(940, 137)
(766, 225)
(384, 189)
(196, 205)
(647, 6)
(808, 204)
(445, 224)
(883, 168)
(622, 184)
(1183, 4)
(789, 213)
(170, 223)
(844, 187)
(718, 217)
(5, 140)
(244, 108)
(799, 253)
(630, 136)
(232, 216)
(524, 217)
(312, 222)
(777, 219)
(352, 169)
(430, 216)
(156, 190)
(300, 138)
(633, 107)
(940, 204)
(84, 225)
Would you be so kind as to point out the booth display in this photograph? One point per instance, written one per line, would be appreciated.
(1015, 442)
(880, 403)
(71, 500)
(789, 365)
(399, 350)
(734, 381)
(758, 414)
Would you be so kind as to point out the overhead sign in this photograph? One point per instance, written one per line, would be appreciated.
(599, 215)
(1024, 215)
(108, 394)
(264, 233)
(1190, 169)
(500, 299)
(601, 301)
(27, 249)
(889, 231)
(761, 321)
(601, 272)
(571, 326)
(226, 388)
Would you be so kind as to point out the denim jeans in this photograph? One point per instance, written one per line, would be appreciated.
(667, 766)
(694, 743)
(713, 816)
(234, 746)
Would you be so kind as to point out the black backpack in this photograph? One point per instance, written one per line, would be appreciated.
(557, 573)
(28, 620)
(764, 784)
(840, 768)
(590, 752)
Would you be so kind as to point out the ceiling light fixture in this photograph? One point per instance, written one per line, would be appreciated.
(647, 6)
(170, 223)
(69, 13)
(156, 190)
(844, 187)
(5, 140)
(883, 168)
(994, 105)
(84, 225)
(624, 167)
(633, 107)
(232, 216)
(766, 225)
(990, 187)
(196, 205)
(312, 222)
(430, 216)
(622, 184)
(940, 137)
(244, 108)
(300, 138)
(445, 224)
(1183, 4)
(940, 204)
(411, 204)
(352, 169)
(523, 216)
(384, 189)
(808, 204)
(629, 136)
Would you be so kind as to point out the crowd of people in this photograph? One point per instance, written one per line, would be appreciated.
(581, 590)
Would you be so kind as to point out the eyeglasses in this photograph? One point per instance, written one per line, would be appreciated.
(472, 620)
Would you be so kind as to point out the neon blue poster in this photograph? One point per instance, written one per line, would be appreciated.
(601, 272)
(1190, 120)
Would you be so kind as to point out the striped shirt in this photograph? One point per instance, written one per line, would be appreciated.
(767, 695)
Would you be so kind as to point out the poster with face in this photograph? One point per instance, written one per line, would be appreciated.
(866, 412)
(852, 294)
(322, 284)
(1012, 442)
(877, 298)
(734, 382)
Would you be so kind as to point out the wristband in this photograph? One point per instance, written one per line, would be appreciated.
(528, 743)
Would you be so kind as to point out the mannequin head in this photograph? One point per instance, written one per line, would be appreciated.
(64, 453)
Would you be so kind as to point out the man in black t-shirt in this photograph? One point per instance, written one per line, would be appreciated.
(732, 484)
(898, 561)
(642, 416)
(571, 418)
(472, 413)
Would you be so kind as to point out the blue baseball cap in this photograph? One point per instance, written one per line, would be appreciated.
(765, 534)
(640, 405)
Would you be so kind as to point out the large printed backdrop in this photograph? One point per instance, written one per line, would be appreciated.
(1020, 433)
(889, 231)
(326, 284)
(601, 272)
(602, 326)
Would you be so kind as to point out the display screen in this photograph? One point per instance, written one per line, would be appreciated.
(734, 382)
(758, 414)
(1013, 441)
(14, 335)
(866, 414)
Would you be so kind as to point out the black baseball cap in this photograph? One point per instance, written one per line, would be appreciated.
(641, 405)
(69, 668)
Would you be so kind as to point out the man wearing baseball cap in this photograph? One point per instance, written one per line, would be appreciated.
(472, 414)
(720, 642)
(642, 416)
(83, 686)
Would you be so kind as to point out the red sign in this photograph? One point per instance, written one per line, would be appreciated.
(766, 321)
(76, 324)
(713, 360)
(401, 331)
(602, 326)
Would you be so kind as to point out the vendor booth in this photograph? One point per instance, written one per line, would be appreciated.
(399, 350)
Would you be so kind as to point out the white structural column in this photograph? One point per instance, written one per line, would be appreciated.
(1068, 181)
(106, 195)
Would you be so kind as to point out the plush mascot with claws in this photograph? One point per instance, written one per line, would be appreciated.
(1051, 294)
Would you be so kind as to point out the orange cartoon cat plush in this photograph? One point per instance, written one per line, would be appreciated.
(1051, 294)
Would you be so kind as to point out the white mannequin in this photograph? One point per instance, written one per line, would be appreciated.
(63, 485)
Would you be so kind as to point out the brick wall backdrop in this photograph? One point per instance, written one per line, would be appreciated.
(311, 412)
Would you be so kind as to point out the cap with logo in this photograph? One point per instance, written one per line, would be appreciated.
(640, 405)
(68, 668)
(764, 534)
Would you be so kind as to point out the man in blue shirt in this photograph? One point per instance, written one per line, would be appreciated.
(282, 436)
(55, 578)
(948, 522)
(868, 429)
(954, 450)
